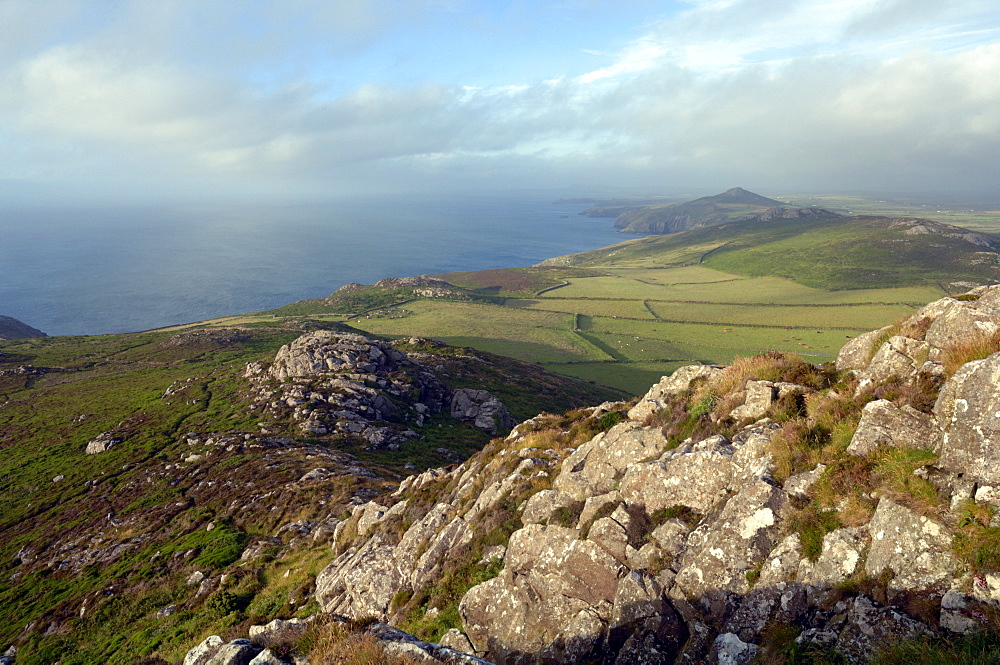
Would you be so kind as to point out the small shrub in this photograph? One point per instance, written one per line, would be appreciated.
(778, 647)
(336, 643)
(875, 587)
(222, 603)
(683, 513)
(919, 392)
(401, 598)
(763, 367)
(612, 418)
(703, 407)
(797, 447)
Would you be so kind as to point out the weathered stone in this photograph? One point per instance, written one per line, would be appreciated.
(201, 654)
(371, 513)
(482, 409)
(596, 466)
(784, 603)
(988, 494)
(722, 550)
(899, 356)
(363, 582)
(658, 396)
(966, 320)
(552, 590)
(237, 652)
(457, 640)
(643, 624)
(961, 613)
(798, 484)
(760, 395)
(104, 442)
(782, 563)
(321, 352)
(842, 552)
(277, 630)
(968, 409)
(857, 353)
(594, 504)
(883, 424)
(611, 536)
(266, 657)
(869, 628)
(670, 537)
(915, 548)
(729, 649)
(541, 505)
(695, 476)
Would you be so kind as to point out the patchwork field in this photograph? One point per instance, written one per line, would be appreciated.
(626, 327)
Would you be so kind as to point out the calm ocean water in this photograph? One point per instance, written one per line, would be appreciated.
(93, 271)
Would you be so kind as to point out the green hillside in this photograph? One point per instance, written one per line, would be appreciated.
(823, 251)
(733, 204)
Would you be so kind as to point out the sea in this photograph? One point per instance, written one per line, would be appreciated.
(93, 271)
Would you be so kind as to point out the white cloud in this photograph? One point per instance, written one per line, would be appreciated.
(794, 92)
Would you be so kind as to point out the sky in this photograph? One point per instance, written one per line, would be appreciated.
(131, 101)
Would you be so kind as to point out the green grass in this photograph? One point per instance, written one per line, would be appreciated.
(547, 334)
(634, 378)
(704, 317)
(850, 254)
(595, 307)
(817, 316)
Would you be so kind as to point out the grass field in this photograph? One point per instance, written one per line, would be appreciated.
(634, 309)
(628, 326)
(525, 334)
(625, 376)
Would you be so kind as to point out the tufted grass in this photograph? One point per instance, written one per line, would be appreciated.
(977, 649)
(337, 643)
(812, 523)
(975, 348)
(979, 547)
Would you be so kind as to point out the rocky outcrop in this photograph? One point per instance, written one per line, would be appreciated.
(344, 385)
(706, 211)
(884, 424)
(481, 409)
(658, 396)
(969, 411)
(632, 548)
